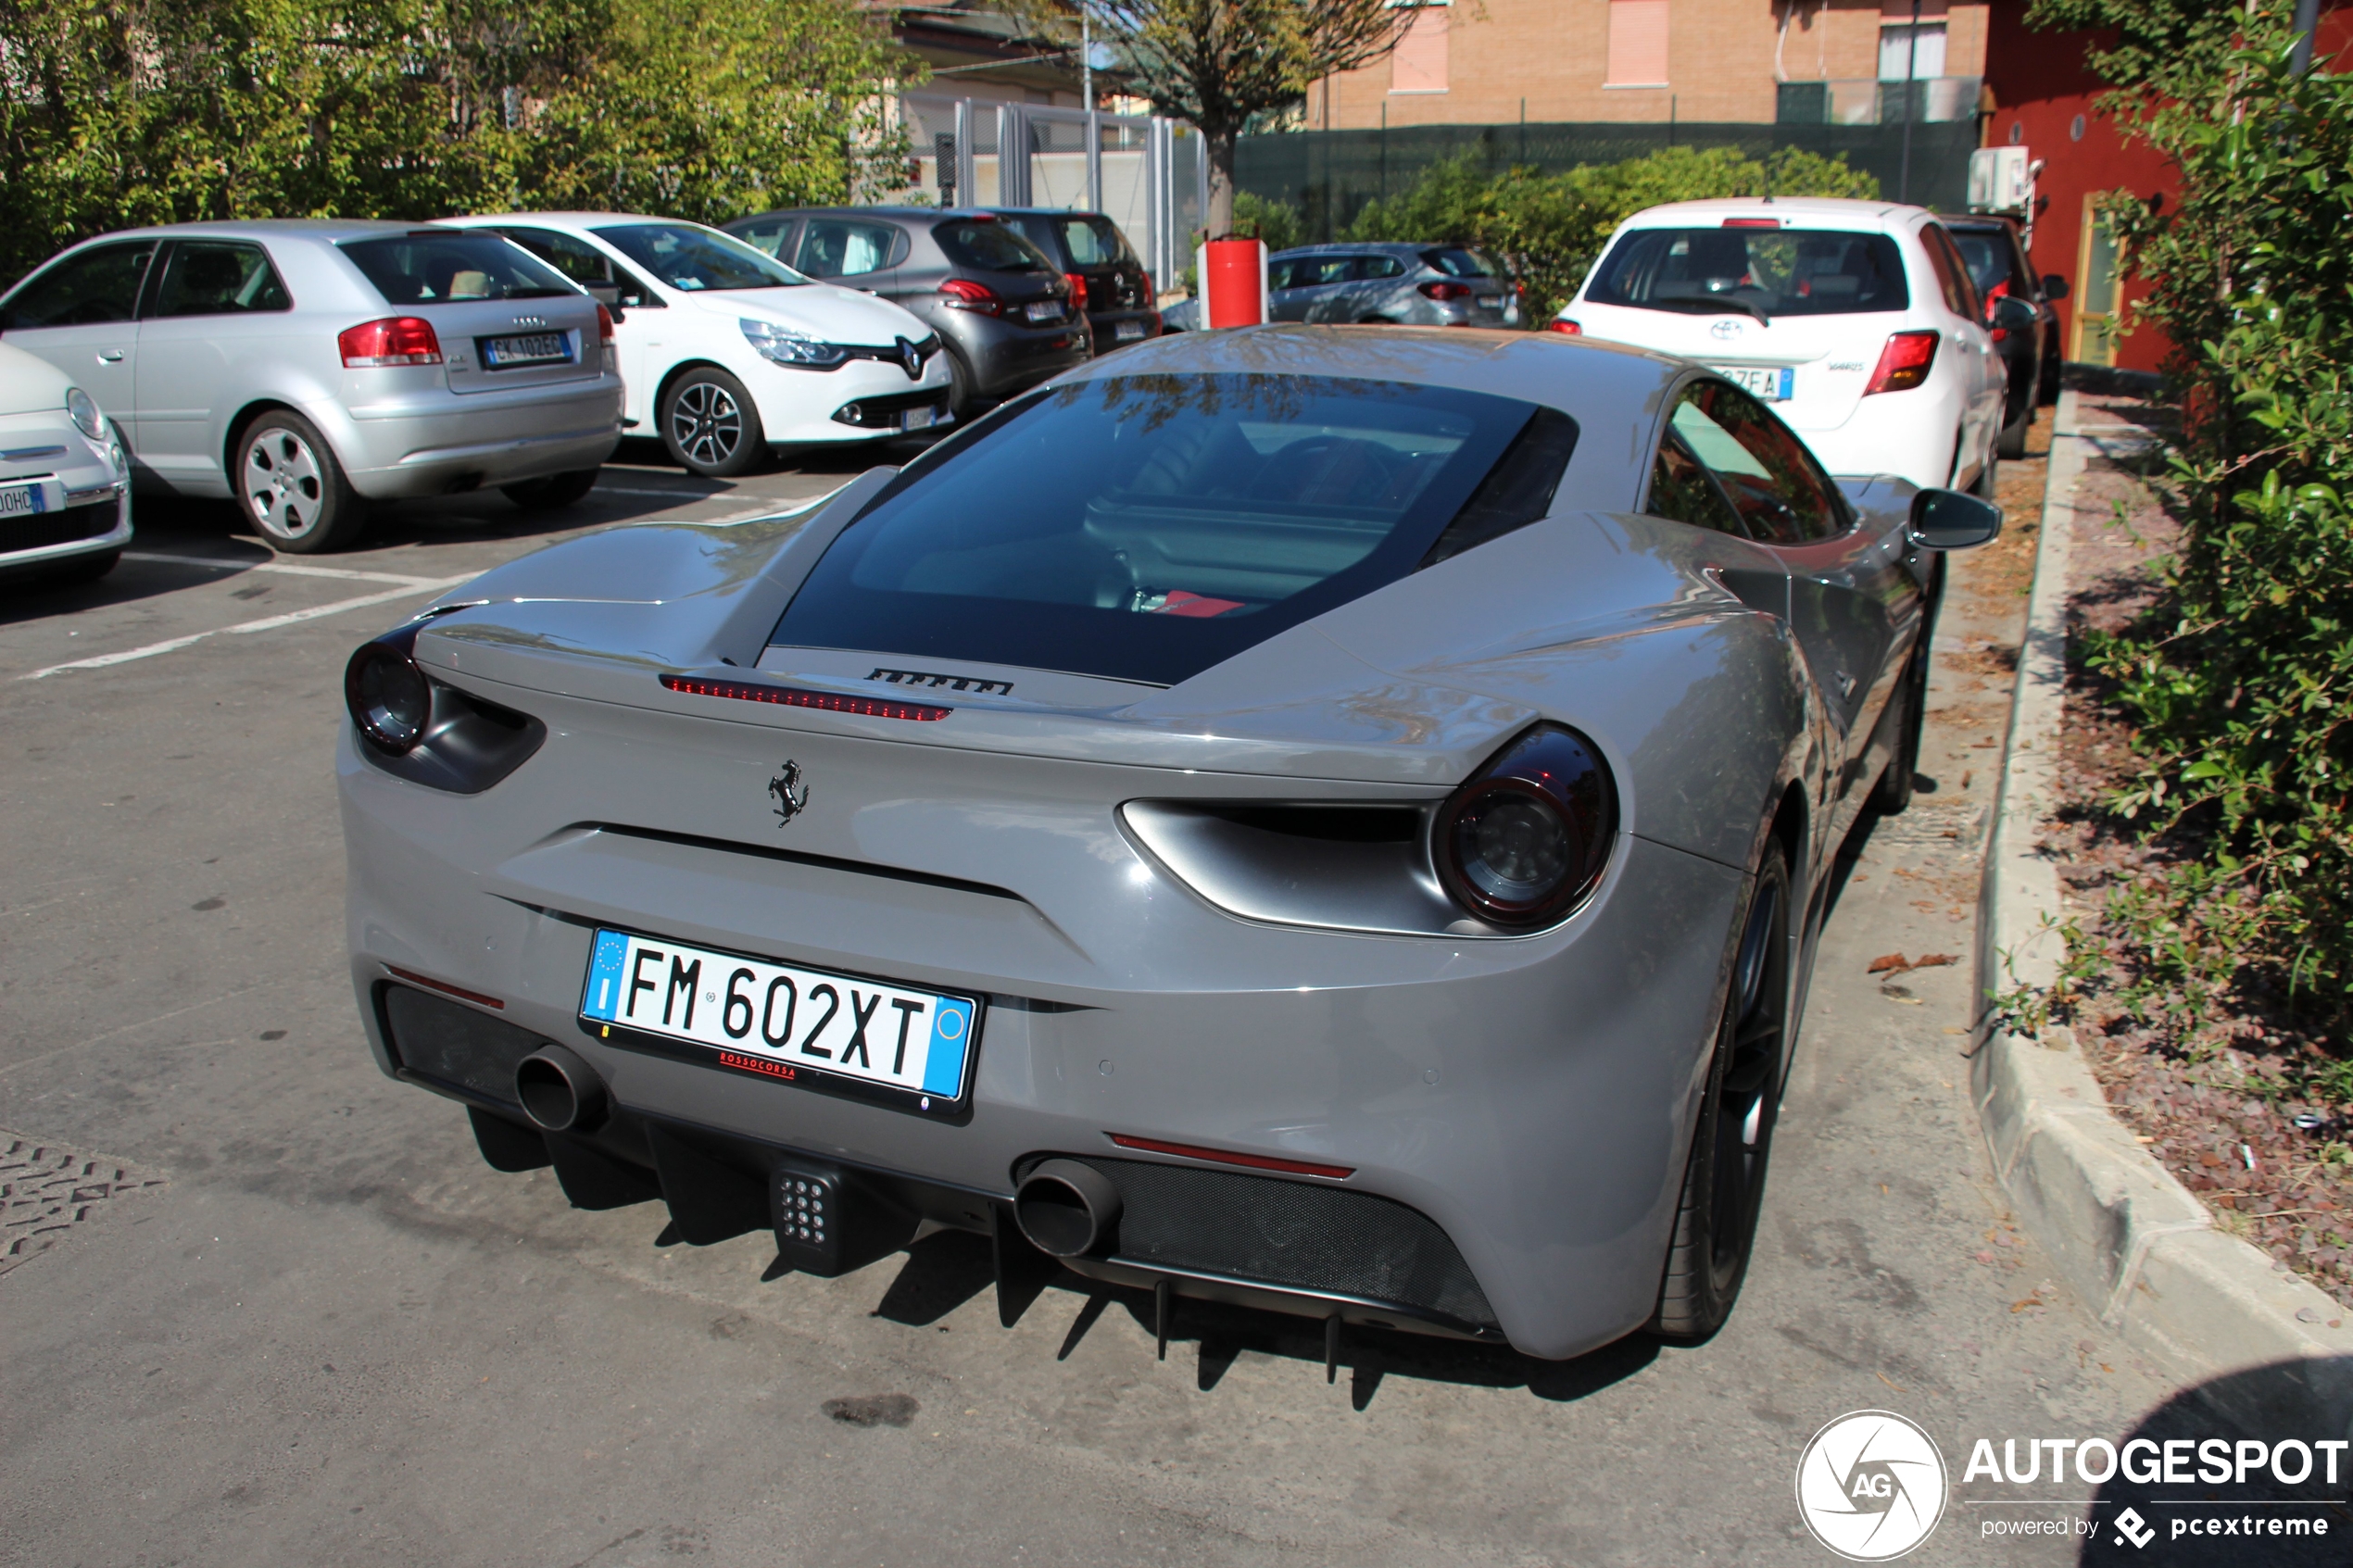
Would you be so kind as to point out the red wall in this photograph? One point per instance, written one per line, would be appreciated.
(2040, 83)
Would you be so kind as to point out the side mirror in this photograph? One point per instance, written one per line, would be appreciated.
(1951, 520)
(2013, 314)
(2054, 287)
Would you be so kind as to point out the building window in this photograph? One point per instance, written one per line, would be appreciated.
(1922, 47)
(1419, 63)
(1637, 43)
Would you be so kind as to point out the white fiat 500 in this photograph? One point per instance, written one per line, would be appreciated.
(729, 356)
(65, 493)
(1855, 320)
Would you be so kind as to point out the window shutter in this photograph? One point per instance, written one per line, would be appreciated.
(1637, 43)
(1419, 63)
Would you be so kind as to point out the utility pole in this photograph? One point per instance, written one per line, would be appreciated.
(1086, 58)
(1911, 59)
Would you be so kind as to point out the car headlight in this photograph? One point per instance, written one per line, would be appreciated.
(1529, 836)
(388, 697)
(82, 410)
(781, 345)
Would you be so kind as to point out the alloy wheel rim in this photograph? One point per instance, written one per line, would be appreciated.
(706, 423)
(285, 488)
(1752, 1078)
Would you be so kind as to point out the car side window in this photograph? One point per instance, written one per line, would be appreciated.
(1682, 490)
(218, 278)
(98, 284)
(769, 237)
(585, 265)
(1372, 267)
(835, 248)
(1952, 276)
(1780, 493)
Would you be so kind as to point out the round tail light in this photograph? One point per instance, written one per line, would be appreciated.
(389, 697)
(1526, 838)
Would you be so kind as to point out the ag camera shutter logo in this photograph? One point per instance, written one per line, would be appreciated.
(1870, 1486)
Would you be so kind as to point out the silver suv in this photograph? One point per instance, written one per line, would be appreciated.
(307, 367)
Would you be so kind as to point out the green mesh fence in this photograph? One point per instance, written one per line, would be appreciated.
(1330, 175)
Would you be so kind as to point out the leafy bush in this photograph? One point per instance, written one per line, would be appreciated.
(1257, 217)
(2241, 686)
(115, 116)
(1548, 228)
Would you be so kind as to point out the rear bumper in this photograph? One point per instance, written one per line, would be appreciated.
(1532, 1099)
(1910, 434)
(438, 442)
(1005, 358)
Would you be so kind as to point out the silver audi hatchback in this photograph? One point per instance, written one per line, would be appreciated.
(306, 368)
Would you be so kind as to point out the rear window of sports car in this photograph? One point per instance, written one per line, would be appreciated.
(1145, 528)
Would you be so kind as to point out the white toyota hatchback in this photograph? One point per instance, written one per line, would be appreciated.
(728, 355)
(1855, 320)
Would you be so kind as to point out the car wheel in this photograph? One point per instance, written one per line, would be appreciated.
(710, 425)
(960, 388)
(1724, 1180)
(2047, 384)
(1895, 791)
(292, 490)
(1989, 477)
(556, 490)
(2012, 442)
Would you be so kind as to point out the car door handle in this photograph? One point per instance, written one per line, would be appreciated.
(110, 356)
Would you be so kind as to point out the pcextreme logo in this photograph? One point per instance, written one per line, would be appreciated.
(1870, 1486)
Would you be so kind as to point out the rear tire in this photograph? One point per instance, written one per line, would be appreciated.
(2013, 438)
(960, 388)
(710, 425)
(556, 490)
(1724, 1180)
(292, 489)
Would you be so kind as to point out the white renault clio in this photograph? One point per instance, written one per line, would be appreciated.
(1855, 320)
(728, 355)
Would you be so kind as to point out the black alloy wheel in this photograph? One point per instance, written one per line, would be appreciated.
(1724, 1182)
(709, 424)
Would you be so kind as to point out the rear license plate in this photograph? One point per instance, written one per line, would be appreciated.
(919, 419)
(1127, 332)
(1772, 385)
(779, 1020)
(540, 348)
(1045, 311)
(24, 500)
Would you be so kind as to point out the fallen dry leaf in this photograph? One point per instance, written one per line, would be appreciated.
(2030, 1301)
(1934, 960)
(1888, 963)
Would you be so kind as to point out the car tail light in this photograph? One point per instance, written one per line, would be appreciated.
(1078, 291)
(1529, 836)
(1904, 363)
(395, 340)
(1566, 325)
(790, 696)
(1445, 291)
(964, 294)
(604, 325)
(1151, 296)
(1752, 223)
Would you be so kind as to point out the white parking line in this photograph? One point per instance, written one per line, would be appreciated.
(680, 496)
(286, 566)
(411, 586)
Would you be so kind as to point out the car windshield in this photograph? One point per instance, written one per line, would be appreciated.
(1740, 270)
(1457, 262)
(1145, 528)
(430, 269)
(693, 259)
(986, 246)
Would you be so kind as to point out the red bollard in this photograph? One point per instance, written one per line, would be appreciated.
(1233, 282)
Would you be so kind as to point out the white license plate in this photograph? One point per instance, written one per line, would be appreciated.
(540, 348)
(919, 419)
(1129, 331)
(782, 1021)
(1772, 385)
(1045, 311)
(26, 500)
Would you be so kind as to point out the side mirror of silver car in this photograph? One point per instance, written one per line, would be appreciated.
(1952, 520)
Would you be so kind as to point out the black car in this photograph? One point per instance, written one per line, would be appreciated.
(1997, 259)
(1003, 307)
(1089, 248)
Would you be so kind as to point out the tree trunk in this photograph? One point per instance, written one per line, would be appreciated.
(1219, 219)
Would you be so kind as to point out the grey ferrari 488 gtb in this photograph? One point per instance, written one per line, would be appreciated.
(1328, 819)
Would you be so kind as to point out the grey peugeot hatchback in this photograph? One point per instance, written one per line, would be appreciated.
(1009, 317)
(306, 368)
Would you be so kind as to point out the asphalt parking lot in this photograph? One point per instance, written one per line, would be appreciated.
(293, 1318)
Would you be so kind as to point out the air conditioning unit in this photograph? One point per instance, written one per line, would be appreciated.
(2000, 179)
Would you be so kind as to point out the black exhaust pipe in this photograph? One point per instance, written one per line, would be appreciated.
(1067, 1209)
(560, 1092)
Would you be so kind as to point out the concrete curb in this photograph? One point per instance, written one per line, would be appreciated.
(2126, 1236)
